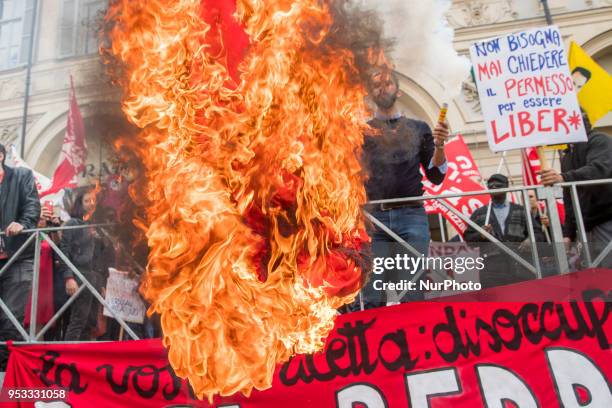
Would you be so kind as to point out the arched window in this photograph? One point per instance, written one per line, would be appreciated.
(79, 26)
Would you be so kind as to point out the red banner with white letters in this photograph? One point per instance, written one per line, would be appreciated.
(460, 158)
(453, 353)
(74, 149)
(462, 176)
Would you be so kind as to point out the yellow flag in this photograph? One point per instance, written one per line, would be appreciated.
(593, 84)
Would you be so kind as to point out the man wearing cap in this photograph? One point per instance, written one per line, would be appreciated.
(507, 222)
(394, 150)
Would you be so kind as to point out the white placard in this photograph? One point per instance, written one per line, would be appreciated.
(526, 91)
(122, 296)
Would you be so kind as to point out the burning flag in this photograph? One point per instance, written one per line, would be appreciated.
(251, 175)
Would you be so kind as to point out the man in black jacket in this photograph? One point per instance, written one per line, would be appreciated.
(508, 223)
(19, 210)
(394, 149)
(587, 161)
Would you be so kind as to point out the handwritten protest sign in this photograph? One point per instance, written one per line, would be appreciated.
(526, 91)
(122, 296)
(463, 268)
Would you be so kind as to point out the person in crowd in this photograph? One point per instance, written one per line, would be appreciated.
(394, 150)
(591, 160)
(507, 222)
(19, 211)
(92, 254)
(125, 262)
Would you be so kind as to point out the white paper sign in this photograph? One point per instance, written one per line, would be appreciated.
(464, 269)
(122, 296)
(526, 91)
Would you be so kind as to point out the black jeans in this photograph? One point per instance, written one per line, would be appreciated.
(15, 286)
(84, 310)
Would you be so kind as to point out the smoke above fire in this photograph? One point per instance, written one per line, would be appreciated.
(423, 40)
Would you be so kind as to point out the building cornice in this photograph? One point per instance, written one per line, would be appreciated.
(568, 19)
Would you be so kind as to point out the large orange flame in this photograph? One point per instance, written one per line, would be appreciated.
(253, 182)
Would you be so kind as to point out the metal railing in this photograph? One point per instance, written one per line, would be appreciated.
(38, 235)
(547, 194)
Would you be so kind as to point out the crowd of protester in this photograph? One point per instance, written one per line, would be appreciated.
(399, 146)
(92, 250)
(392, 157)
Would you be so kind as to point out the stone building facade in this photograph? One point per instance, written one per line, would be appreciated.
(587, 22)
(65, 44)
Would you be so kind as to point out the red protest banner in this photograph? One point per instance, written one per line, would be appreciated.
(460, 158)
(466, 204)
(450, 353)
(460, 177)
(74, 149)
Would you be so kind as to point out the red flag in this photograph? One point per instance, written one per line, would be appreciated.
(74, 150)
(462, 170)
(45, 309)
(531, 167)
(460, 158)
(226, 38)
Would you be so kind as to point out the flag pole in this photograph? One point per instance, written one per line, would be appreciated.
(488, 217)
(544, 229)
(547, 14)
(28, 79)
(543, 160)
(540, 149)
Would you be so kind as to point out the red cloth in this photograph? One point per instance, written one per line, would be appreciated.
(462, 170)
(450, 353)
(531, 167)
(227, 37)
(74, 150)
(45, 288)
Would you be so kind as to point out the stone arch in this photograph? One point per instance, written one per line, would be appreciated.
(46, 135)
(422, 97)
(599, 48)
(599, 45)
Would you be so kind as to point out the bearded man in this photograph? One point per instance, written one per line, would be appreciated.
(393, 155)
